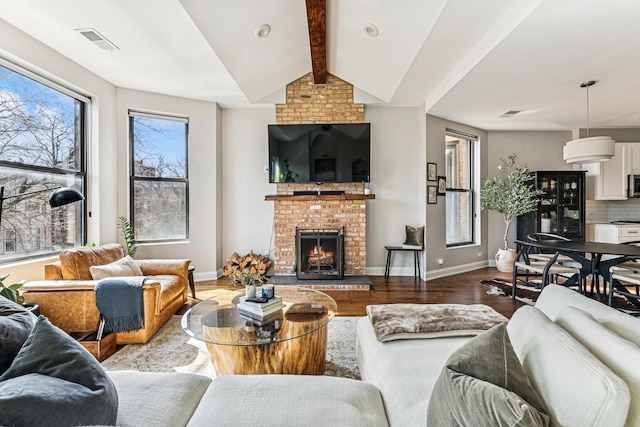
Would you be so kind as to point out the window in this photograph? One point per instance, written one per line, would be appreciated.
(42, 141)
(460, 207)
(159, 177)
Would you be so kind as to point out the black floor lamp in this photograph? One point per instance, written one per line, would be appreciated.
(59, 197)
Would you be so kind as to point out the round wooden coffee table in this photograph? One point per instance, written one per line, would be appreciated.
(291, 342)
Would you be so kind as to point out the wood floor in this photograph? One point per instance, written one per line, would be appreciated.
(459, 289)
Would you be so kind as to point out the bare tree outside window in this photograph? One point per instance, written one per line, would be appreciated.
(41, 143)
(159, 190)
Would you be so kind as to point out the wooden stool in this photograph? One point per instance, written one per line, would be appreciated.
(192, 285)
(416, 259)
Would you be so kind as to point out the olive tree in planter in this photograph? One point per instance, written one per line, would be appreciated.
(512, 194)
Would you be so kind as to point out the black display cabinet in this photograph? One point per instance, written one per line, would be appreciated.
(561, 208)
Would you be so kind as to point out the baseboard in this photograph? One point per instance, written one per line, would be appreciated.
(204, 276)
(458, 269)
(379, 271)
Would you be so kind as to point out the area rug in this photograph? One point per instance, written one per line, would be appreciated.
(172, 350)
(525, 293)
(528, 293)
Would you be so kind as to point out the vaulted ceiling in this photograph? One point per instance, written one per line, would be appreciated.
(467, 61)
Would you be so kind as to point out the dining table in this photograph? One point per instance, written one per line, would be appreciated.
(595, 258)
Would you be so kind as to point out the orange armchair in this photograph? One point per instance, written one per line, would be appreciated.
(67, 295)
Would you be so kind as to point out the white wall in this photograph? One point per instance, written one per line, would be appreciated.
(107, 157)
(540, 151)
(247, 217)
(398, 182)
(204, 176)
(397, 174)
(23, 50)
(456, 259)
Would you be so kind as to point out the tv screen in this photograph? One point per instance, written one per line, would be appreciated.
(320, 153)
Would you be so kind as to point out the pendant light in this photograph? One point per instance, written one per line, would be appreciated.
(590, 149)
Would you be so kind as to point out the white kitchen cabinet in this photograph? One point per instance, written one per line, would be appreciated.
(616, 233)
(633, 158)
(608, 180)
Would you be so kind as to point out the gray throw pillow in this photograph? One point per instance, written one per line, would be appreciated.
(54, 381)
(16, 323)
(415, 236)
(483, 383)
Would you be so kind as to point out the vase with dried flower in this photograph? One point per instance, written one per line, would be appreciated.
(249, 279)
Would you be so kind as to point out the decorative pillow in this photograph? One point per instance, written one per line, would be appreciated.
(124, 267)
(415, 236)
(483, 383)
(75, 262)
(16, 323)
(54, 381)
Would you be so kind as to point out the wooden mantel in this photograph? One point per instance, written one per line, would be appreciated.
(312, 197)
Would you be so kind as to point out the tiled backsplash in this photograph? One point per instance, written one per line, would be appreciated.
(604, 211)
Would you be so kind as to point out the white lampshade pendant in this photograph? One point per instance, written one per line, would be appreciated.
(590, 149)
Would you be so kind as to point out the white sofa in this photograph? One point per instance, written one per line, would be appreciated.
(582, 365)
(560, 348)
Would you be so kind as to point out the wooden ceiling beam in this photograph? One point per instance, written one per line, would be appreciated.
(317, 21)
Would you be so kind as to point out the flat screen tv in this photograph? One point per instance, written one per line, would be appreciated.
(320, 153)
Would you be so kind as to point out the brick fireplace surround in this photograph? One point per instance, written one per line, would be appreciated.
(328, 103)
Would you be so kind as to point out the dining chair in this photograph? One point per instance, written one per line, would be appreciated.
(626, 274)
(547, 268)
(540, 255)
(619, 282)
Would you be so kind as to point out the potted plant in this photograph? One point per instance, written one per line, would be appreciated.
(12, 293)
(129, 235)
(512, 194)
(249, 279)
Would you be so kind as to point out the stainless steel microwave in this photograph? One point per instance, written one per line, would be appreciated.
(634, 185)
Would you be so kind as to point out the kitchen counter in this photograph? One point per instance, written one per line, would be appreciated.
(613, 233)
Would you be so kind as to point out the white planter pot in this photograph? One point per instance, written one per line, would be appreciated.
(504, 260)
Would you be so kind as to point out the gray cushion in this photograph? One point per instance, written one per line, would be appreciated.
(483, 383)
(16, 323)
(54, 381)
(415, 236)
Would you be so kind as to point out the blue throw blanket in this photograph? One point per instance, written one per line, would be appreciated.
(119, 300)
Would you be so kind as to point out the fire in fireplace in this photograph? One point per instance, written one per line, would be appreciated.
(319, 253)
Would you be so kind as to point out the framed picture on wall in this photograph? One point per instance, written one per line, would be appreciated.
(432, 194)
(432, 171)
(442, 185)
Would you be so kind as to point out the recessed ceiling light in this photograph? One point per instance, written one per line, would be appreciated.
(101, 41)
(263, 31)
(371, 30)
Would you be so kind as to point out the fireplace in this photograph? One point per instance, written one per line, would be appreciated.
(319, 253)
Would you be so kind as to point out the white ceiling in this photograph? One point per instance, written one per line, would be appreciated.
(467, 61)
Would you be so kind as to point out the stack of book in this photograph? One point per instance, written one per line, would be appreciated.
(261, 311)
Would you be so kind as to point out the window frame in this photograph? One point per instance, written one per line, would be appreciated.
(472, 141)
(79, 174)
(133, 178)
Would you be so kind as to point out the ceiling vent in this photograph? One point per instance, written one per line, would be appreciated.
(509, 113)
(101, 41)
